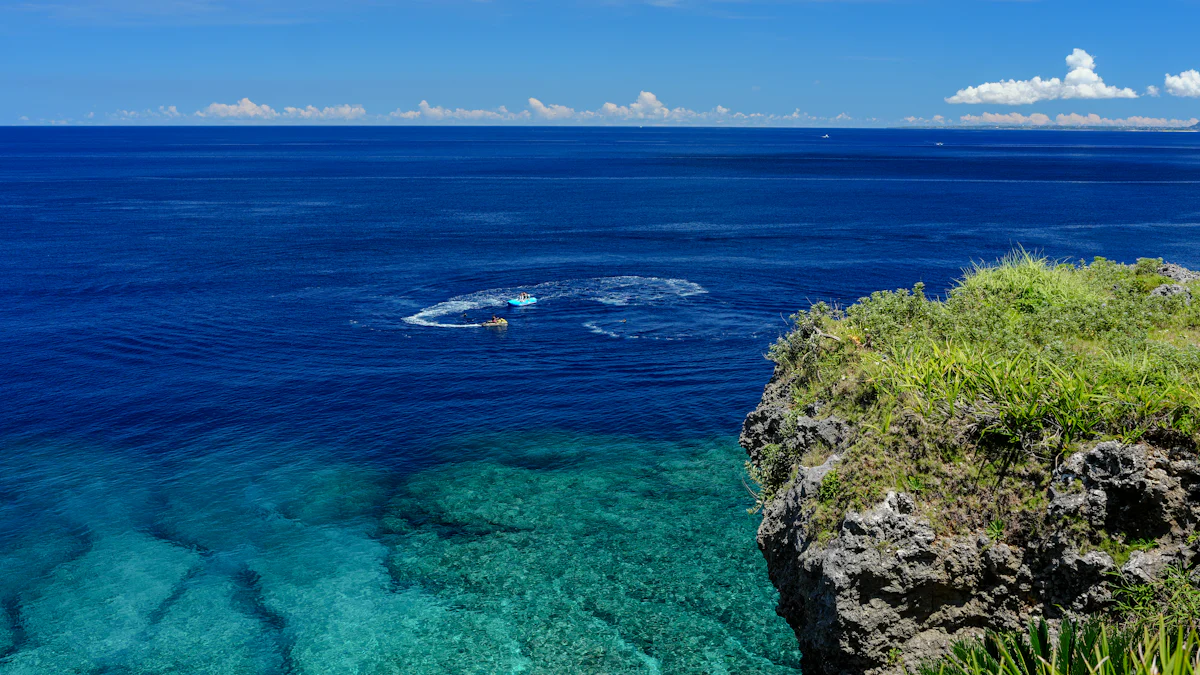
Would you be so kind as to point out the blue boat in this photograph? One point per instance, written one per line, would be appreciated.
(522, 300)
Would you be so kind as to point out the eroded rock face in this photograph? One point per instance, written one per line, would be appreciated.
(769, 424)
(887, 585)
(1143, 491)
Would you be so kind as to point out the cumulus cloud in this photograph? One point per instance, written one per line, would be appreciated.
(1094, 120)
(550, 112)
(337, 112)
(1015, 119)
(151, 115)
(936, 119)
(1152, 91)
(1081, 82)
(243, 109)
(1007, 119)
(1186, 83)
(647, 108)
(431, 113)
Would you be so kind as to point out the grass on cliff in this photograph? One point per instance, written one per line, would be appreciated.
(970, 401)
(1090, 648)
(1151, 630)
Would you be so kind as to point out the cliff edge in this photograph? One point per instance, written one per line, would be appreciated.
(1026, 447)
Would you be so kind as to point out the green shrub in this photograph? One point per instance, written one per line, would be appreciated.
(830, 490)
(1174, 598)
(973, 398)
(1151, 630)
(1091, 648)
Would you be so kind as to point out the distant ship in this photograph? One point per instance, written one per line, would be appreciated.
(825, 136)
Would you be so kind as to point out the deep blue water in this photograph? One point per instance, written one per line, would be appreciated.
(246, 427)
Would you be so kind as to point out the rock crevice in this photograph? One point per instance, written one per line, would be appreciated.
(887, 590)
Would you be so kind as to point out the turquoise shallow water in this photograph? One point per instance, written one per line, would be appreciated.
(537, 553)
(246, 425)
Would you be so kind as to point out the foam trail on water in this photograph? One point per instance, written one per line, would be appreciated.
(429, 315)
(591, 326)
(620, 291)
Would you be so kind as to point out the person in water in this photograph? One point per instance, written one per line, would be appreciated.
(522, 296)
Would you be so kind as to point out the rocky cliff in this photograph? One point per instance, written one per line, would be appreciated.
(886, 588)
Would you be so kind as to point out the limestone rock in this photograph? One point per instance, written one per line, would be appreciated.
(1178, 273)
(886, 587)
(1169, 290)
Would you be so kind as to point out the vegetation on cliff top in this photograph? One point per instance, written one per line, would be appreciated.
(1088, 648)
(1151, 630)
(970, 401)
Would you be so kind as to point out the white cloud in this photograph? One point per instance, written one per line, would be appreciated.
(1186, 83)
(430, 113)
(1015, 119)
(646, 107)
(1152, 91)
(163, 112)
(552, 111)
(243, 109)
(1081, 82)
(92, 114)
(23, 118)
(1094, 120)
(1007, 119)
(936, 119)
(1081, 59)
(344, 111)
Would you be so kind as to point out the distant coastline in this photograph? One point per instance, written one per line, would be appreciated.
(1191, 129)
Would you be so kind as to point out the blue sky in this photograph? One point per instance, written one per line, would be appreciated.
(778, 62)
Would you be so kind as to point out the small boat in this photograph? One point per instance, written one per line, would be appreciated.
(939, 143)
(522, 300)
(825, 136)
(495, 323)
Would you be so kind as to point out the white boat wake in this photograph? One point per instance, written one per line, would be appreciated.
(622, 291)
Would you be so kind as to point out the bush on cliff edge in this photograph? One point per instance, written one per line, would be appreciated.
(970, 401)
(1087, 648)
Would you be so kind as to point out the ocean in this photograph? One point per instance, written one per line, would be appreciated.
(250, 423)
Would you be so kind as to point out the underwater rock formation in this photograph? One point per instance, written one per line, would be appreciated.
(540, 552)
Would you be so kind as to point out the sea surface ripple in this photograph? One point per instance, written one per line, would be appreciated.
(251, 424)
